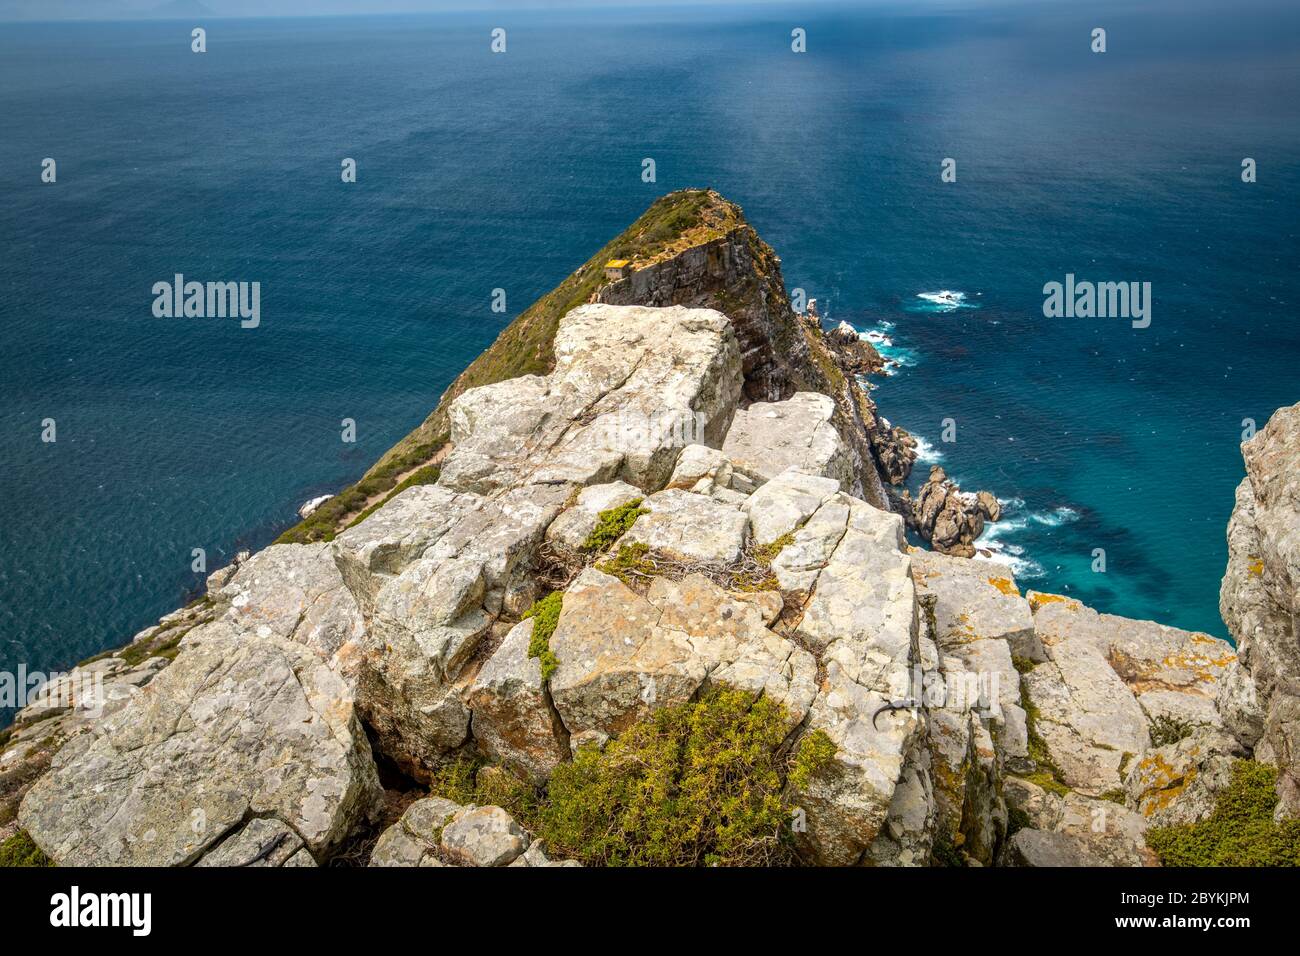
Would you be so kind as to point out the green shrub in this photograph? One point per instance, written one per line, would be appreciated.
(1169, 730)
(631, 565)
(547, 613)
(21, 850)
(815, 753)
(1017, 820)
(469, 779)
(701, 783)
(1239, 832)
(612, 525)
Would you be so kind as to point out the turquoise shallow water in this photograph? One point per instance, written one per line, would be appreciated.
(478, 172)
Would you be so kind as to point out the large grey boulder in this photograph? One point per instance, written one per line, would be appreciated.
(631, 387)
(623, 655)
(241, 725)
(430, 607)
(570, 530)
(416, 838)
(484, 836)
(1174, 675)
(690, 527)
(862, 619)
(293, 591)
(975, 601)
(783, 504)
(768, 437)
(261, 842)
(1087, 716)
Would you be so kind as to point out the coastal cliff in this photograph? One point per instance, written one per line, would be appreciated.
(643, 549)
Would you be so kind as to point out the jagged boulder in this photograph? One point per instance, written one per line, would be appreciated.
(513, 720)
(293, 591)
(1073, 830)
(429, 606)
(1088, 718)
(570, 530)
(1173, 674)
(416, 838)
(240, 725)
(1180, 782)
(949, 518)
(688, 527)
(783, 504)
(862, 620)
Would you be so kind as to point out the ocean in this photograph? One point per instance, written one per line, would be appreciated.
(480, 171)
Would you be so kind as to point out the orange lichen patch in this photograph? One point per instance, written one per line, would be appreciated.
(922, 578)
(1039, 599)
(1255, 567)
(1164, 784)
(1143, 675)
(1006, 586)
(963, 622)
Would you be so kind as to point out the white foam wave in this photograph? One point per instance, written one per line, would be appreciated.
(944, 300)
(926, 452)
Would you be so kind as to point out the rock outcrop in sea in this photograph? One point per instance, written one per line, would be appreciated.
(678, 495)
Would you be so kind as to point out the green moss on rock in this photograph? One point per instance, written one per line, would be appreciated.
(612, 524)
(21, 850)
(547, 613)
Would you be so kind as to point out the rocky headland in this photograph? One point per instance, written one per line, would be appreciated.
(644, 546)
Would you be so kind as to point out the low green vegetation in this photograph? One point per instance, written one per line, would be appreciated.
(814, 754)
(945, 852)
(702, 783)
(755, 570)
(697, 784)
(612, 524)
(632, 564)
(1017, 820)
(470, 779)
(20, 850)
(1240, 831)
(1167, 730)
(1022, 665)
(547, 614)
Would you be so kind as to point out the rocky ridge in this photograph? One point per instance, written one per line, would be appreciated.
(969, 723)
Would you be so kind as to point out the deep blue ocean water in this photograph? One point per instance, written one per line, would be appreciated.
(479, 171)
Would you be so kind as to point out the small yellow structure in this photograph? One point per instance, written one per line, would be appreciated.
(618, 269)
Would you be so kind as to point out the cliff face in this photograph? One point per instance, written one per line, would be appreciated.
(1260, 602)
(674, 501)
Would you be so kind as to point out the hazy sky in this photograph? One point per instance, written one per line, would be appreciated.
(118, 9)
